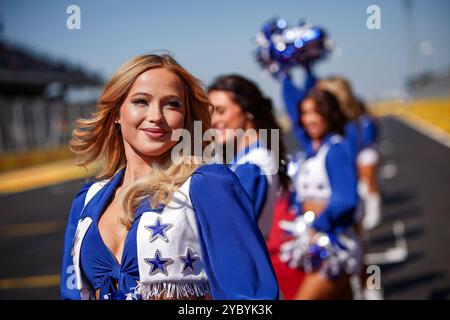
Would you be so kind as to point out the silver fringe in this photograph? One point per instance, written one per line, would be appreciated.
(177, 289)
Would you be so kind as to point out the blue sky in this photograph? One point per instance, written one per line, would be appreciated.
(215, 37)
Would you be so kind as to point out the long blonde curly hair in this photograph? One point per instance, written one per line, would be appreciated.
(97, 140)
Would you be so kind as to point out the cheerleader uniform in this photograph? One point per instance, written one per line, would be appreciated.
(368, 154)
(257, 168)
(192, 247)
(326, 176)
(364, 137)
(289, 279)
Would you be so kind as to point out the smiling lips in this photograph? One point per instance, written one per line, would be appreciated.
(155, 133)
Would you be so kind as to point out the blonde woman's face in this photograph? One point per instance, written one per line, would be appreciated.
(153, 109)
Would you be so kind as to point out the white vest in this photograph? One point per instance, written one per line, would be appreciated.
(181, 236)
(310, 175)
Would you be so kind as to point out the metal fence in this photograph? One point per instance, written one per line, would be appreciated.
(29, 123)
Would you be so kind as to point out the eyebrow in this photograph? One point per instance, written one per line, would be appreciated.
(141, 94)
(171, 96)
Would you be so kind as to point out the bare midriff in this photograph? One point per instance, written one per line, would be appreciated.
(315, 206)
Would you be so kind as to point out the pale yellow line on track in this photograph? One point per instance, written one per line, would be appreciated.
(52, 280)
(32, 229)
(425, 127)
(42, 175)
(398, 109)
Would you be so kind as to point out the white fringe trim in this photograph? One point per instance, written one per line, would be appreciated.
(178, 289)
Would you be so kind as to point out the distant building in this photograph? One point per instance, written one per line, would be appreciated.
(40, 99)
(430, 85)
(23, 72)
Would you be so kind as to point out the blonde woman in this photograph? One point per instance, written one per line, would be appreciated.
(152, 228)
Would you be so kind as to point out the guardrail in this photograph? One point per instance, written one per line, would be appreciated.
(35, 130)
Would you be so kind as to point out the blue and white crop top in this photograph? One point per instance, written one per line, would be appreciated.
(183, 249)
(326, 176)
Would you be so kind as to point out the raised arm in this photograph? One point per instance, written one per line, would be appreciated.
(292, 97)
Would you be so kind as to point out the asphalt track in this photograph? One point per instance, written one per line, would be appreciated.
(414, 179)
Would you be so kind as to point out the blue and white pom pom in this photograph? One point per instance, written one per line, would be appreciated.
(303, 252)
(280, 47)
(321, 252)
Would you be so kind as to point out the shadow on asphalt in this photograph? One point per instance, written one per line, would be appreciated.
(410, 282)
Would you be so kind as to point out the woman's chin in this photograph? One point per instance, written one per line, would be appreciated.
(155, 151)
(315, 134)
(221, 138)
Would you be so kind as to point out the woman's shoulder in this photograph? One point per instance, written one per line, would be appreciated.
(79, 202)
(337, 155)
(215, 188)
(84, 189)
(351, 127)
(335, 141)
(337, 147)
(367, 122)
(213, 178)
(214, 173)
(88, 190)
(263, 158)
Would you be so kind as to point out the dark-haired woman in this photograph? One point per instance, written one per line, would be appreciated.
(246, 123)
(324, 180)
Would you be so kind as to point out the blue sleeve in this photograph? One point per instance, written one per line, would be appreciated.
(310, 80)
(68, 286)
(370, 131)
(234, 252)
(341, 206)
(351, 139)
(292, 96)
(255, 184)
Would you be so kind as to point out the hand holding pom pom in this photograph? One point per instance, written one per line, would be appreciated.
(280, 48)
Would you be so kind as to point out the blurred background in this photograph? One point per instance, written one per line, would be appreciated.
(50, 75)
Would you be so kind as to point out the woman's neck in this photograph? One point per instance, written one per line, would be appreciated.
(134, 171)
(316, 143)
(139, 166)
(245, 142)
